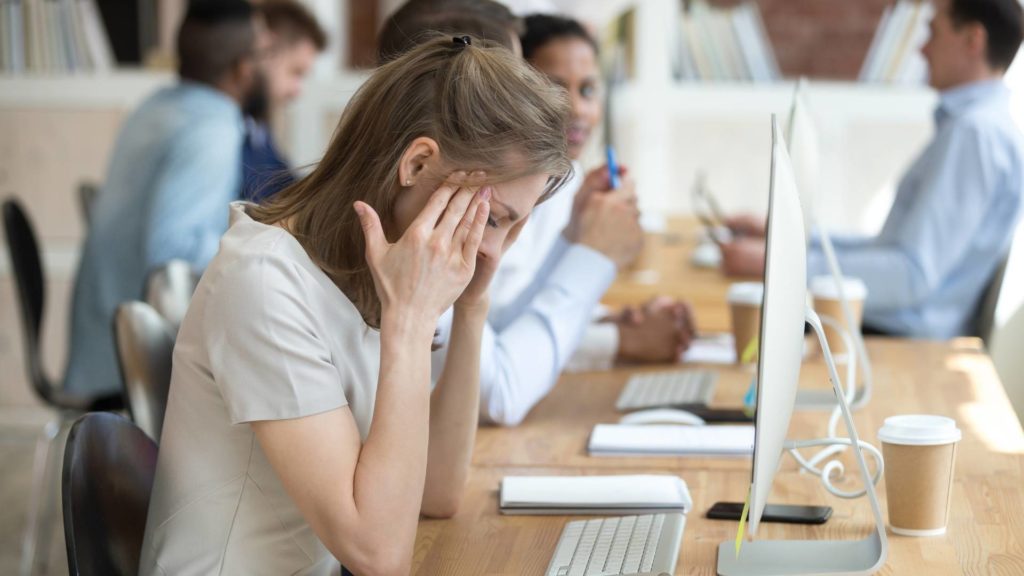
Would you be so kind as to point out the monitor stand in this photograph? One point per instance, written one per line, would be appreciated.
(807, 557)
(825, 399)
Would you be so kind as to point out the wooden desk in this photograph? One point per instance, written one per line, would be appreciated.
(986, 531)
(956, 379)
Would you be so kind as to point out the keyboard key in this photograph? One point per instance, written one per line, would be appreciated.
(652, 544)
(673, 388)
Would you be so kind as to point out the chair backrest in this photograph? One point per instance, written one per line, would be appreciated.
(169, 290)
(986, 317)
(87, 193)
(145, 344)
(109, 465)
(28, 275)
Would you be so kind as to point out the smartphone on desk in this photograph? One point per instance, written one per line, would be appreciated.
(785, 513)
(718, 415)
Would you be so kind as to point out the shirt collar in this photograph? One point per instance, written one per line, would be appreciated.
(257, 132)
(956, 101)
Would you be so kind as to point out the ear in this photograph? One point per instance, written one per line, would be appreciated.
(422, 157)
(241, 73)
(977, 40)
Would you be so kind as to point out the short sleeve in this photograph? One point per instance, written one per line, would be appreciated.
(267, 353)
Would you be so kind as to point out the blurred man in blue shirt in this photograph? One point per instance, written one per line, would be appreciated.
(174, 170)
(958, 205)
(295, 40)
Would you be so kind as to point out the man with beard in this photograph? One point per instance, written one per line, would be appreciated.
(173, 172)
(295, 40)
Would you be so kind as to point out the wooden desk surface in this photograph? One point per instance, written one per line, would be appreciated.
(986, 531)
(956, 379)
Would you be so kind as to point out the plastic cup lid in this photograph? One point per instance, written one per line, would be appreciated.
(827, 287)
(750, 293)
(919, 430)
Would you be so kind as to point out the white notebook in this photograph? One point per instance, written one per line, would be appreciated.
(575, 495)
(711, 349)
(671, 440)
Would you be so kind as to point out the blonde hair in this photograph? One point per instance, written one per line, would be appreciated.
(486, 109)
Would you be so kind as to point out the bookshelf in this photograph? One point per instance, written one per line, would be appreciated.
(873, 41)
(869, 134)
(718, 126)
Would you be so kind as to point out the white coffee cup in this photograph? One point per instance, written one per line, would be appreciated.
(920, 453)
(745, 300)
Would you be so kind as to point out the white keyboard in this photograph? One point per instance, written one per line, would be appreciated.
(667, 389)
(646, 544)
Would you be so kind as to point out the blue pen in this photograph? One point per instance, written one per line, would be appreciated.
(613, 168)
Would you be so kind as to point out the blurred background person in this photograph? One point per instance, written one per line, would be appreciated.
(957, 206)
(295, 39)
(549, 284)
(174, 170)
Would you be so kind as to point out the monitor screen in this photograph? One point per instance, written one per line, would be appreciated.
(782, 324)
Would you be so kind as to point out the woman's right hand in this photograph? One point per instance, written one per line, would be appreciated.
(422, 274)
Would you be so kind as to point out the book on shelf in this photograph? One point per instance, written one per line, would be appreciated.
(894, 56)
(53, 36)
(618, 48)
(724, 44)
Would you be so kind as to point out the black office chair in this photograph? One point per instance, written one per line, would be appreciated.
(985, 319)
(109, 466)
(28, 275)
(87, 193)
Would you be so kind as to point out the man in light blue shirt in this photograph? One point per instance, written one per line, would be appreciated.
(174, 170)
(958, 205)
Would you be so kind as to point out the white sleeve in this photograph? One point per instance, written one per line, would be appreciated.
(597, 350)
(522, 356)
(502, 314)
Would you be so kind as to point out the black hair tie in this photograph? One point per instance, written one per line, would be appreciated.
(462, 41)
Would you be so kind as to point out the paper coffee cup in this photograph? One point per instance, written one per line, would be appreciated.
(919, 452)
(825, 292)
(745, 299)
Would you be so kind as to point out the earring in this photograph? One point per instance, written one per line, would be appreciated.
(408, 182)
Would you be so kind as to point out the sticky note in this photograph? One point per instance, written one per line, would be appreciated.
(750, 351)
(750, 398)
(743, 524)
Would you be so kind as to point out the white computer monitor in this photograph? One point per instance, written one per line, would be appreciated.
(805, 157)
(783, 316)
(782, 324)
(804, 150)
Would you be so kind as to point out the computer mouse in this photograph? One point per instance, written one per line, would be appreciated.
(706, 255)
(662, 416)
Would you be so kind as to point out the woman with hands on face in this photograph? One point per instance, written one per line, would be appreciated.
(317, 318)
(545, 315)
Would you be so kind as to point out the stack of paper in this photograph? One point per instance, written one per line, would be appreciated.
(671, 440)
(574, 495)
(711, 349)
